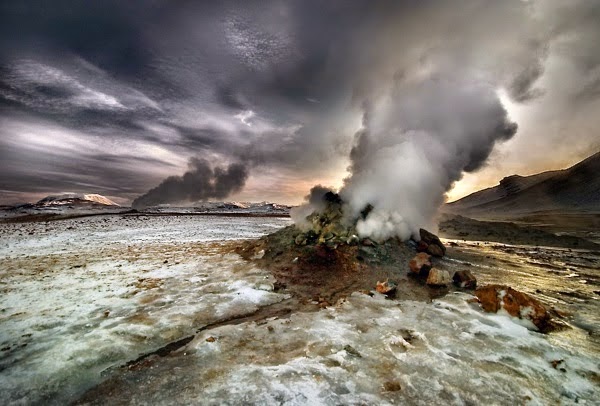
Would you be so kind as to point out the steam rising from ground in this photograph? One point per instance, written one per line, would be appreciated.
(413, 145)
(200, 182)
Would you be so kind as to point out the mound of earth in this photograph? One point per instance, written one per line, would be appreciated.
(322, 274)
(324, 259)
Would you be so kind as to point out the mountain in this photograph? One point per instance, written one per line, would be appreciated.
(573, 189)
(75, 199)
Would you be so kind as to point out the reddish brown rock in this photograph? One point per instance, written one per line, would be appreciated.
(464, 279)
(517, 304)
(438, 277)
(420, 264)
(422, 246)
(387, 287)
(435, 250)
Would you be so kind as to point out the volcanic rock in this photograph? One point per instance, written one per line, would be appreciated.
(422, 246)
(387, 287)
(465, 279)
(435, 250)
(494, 298)
(421, 264)
(432, 240)
(438, 277)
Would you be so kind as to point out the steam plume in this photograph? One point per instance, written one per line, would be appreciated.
(414, 145)
(200, 182)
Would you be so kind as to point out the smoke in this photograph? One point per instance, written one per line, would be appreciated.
(200, 182)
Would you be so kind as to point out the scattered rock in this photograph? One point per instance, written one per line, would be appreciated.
(464, 279)
(518, 304)
(367, 242)
(350, 350)
(420, 264)
(438, 277)
(322, 302)
(435, 250)
(278, 286)
(387, 287)
(422, 246)
(432, 239)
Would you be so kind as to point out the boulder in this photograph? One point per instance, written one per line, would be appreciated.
(422, 246)
(494, 298)
(438, 277)
(420, 264)
(432, 239)
(464, 279)
(435, 250)
(387, 287)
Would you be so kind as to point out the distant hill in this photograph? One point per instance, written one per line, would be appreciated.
(75, 199)
(574, 189)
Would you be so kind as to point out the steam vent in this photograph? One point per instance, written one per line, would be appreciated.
(324, 259)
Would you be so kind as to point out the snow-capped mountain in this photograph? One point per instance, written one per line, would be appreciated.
(75, 199)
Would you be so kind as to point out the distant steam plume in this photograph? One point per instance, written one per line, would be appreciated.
(200, 182)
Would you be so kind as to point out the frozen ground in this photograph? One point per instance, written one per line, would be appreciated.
(83, 296)
(78, 296)
(367, 350)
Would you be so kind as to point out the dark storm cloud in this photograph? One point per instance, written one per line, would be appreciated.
(278, 84)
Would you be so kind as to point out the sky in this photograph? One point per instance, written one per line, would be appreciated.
(114, 97)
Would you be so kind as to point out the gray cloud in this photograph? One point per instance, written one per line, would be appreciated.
(169, 80)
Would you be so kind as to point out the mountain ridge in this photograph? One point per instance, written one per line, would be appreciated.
(576, 188)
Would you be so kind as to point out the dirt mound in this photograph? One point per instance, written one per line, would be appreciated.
(322, 274)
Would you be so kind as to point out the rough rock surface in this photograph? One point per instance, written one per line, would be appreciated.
(493, 298)
(438, 277)
(420, 264)
(465, 279)
(387, 287)
(434, 245)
